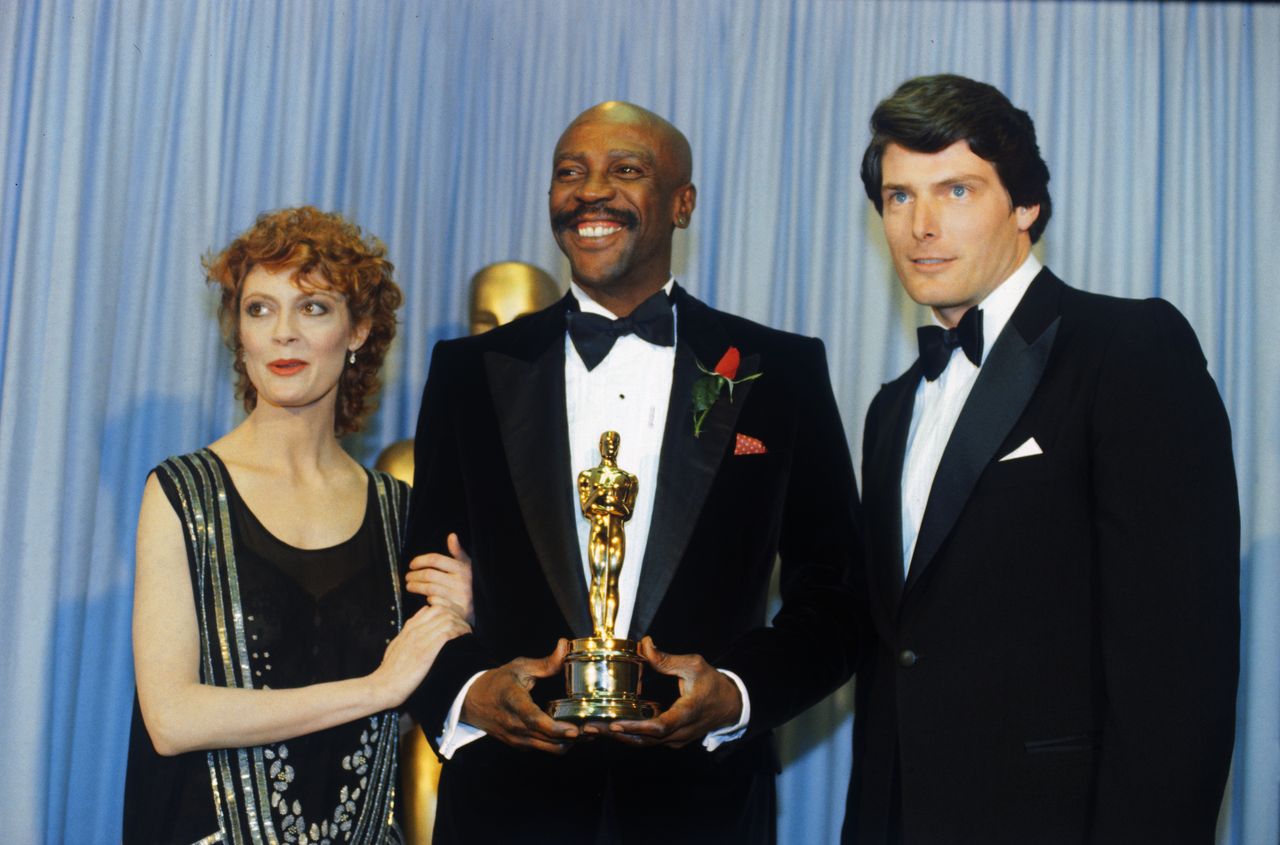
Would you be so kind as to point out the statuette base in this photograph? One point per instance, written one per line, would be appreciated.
(603, 679)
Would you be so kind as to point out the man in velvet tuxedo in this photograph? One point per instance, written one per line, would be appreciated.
(1053, 526)
(508, 420)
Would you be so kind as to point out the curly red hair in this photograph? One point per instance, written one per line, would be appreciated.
(325, 251)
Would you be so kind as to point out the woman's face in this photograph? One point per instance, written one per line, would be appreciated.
(295, 342)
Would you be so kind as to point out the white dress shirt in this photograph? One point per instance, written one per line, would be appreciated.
(938, 404)
(627, 392)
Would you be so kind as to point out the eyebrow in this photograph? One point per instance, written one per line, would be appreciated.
(646, 157)
(326, 293)
(941, 183)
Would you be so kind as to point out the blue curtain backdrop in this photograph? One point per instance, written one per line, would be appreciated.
(138, 135)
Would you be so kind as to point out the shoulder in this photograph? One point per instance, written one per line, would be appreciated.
(793, 368)
(199, 459)
(1141, 357)
(1150, 329)
(748, 335)
(907, 380)
(180, 490)
(525, 337)
(189, 474)
(393, 493)
(529, 330)
(789, 370)
(774, 340)
(1083, 304)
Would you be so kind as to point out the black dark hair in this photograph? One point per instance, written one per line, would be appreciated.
(930, 113)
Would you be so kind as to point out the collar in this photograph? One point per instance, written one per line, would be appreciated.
(1000, 304)
(589, 306)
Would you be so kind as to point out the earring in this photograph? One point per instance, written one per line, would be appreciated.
(351, 357)
(682, 221)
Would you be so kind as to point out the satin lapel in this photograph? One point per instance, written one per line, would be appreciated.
(1004, 386)
(688, 464)
(884, 487)
(529, 397)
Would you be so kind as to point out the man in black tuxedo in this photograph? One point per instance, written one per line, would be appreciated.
(509, 418)
(1053, 527)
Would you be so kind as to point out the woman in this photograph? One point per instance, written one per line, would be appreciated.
(269, 643)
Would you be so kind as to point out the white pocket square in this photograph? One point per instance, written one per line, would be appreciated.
(1026, 450)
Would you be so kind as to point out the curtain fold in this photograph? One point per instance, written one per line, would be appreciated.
(136, 137)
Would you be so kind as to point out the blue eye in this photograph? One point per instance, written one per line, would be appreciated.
(898, 197)
(959, 191)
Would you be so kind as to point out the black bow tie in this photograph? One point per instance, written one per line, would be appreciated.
(593, 335)
(937, 343)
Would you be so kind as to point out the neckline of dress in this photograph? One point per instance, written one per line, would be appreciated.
(235, 491)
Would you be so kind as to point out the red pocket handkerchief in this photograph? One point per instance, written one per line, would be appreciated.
(746, 445)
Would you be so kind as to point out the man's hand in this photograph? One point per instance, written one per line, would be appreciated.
(444, 579)
(499, 704)
(708, 701)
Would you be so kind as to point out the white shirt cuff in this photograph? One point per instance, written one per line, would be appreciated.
(458, 733)
(720, 736)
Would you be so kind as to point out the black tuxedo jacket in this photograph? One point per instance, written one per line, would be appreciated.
(1061, 663)
(492, 463)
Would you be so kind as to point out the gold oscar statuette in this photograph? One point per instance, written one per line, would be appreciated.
(602, 672)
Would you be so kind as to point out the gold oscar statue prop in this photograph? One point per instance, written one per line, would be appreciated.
(506, 290)
(602, 672)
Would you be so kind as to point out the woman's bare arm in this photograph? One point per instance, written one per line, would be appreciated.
(182, 714)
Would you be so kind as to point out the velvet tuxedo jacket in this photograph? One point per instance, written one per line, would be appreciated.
(1061, 662)
(492, 463)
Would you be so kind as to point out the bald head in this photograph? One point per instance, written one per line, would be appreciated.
(671, 140)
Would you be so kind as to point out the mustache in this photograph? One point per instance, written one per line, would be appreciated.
(570, 219)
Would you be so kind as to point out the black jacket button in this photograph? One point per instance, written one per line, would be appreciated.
(906, 658)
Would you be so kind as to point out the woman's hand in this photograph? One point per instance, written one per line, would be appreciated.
(409, 656)
(445, 580)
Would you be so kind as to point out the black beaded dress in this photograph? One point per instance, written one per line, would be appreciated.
(275, 616)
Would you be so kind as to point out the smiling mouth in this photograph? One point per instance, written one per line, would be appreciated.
(594, 222)
(591, 229)
(930, 263)
(286, 367)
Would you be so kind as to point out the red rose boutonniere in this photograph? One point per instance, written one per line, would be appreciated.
(707, 389)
